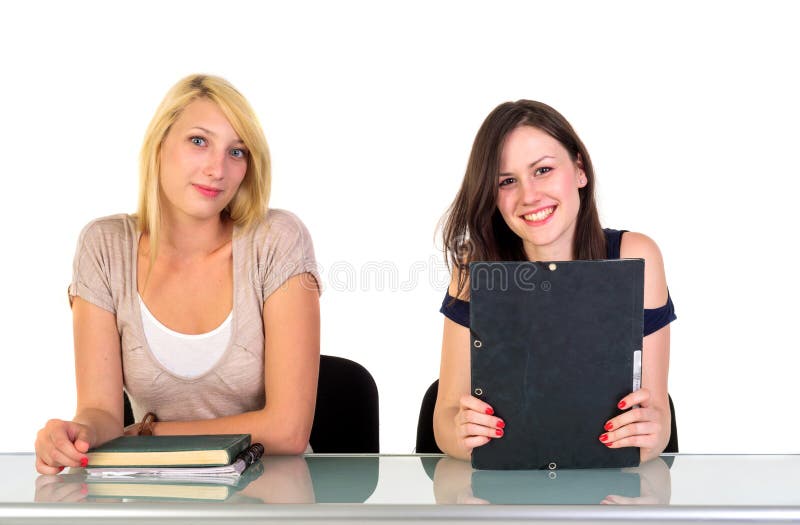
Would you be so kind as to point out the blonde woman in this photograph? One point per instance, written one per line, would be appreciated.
(204, 306)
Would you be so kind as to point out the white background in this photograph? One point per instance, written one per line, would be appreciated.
(689, 109)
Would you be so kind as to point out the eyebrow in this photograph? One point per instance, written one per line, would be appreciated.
(532, 164)
(209, 132)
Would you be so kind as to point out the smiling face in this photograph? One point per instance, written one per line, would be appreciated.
(203, 162)
(538, 193)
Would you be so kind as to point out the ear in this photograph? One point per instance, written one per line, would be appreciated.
(580, 175)
(581, 178)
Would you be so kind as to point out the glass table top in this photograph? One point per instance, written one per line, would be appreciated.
(424, 487)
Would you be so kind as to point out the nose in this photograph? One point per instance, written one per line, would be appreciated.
(531, 192)
(215, 165)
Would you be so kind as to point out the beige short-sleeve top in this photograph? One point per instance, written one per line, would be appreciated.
(264, 258)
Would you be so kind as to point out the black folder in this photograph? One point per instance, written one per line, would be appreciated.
(553, 346)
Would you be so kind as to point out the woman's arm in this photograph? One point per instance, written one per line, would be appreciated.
(461, 421)
(98, 370)
(647, 426)
(291, 369)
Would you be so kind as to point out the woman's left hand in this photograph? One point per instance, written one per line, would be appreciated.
(639, 426)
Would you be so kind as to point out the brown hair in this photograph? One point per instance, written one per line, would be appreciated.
(474, 229)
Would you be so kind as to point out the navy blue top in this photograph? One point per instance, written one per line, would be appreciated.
(654, 318)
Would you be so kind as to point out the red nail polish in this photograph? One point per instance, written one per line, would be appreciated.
(84, 489)
(501, 424)
(498, 431)
(60, 469)
(608, 444)
(490, 411)
(84, 461)
(603, 437)
(621, 404)
(608, 426)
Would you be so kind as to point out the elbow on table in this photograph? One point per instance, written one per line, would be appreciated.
(291, 441)
(297, 445)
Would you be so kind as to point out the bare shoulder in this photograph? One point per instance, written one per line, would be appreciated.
(455, 276)
(639, 246)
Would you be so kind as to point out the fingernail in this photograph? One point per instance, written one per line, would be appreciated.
(621, 404)
(490, 411)
(501, 424)
(608, 444)
(84, 489)
(608, 426)
(498, 431)
(60, 469)
(84, 461)
(603, 437)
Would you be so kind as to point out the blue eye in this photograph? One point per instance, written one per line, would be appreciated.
(198, 141)
(239, 153)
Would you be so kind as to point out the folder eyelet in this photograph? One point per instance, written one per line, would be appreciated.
(552, 466)
(477, 344)
(478, 392)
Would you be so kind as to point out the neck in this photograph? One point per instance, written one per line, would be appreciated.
(190, 238)
(558, 250)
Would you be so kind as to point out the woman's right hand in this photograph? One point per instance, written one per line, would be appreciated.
(62, 444)
(476, 423)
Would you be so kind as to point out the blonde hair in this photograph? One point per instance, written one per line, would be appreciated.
(251, 199)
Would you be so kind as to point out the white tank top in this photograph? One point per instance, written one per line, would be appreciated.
(183, 354)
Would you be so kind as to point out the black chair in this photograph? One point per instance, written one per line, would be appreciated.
(127, 411)
(426, 444)
(672, 444)
(346, 415)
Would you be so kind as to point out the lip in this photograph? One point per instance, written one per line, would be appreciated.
(208, 191)
(543, 221)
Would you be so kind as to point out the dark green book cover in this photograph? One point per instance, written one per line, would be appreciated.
(169, 451)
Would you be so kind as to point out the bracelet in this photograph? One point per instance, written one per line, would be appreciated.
(147, 424)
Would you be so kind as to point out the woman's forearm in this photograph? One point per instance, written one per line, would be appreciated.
(280, 436)
(104, 426)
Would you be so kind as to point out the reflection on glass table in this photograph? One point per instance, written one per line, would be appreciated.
(276, 479)
(423, 489)
(455, 482)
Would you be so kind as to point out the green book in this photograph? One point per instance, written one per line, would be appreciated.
(169, 451)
